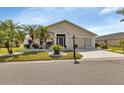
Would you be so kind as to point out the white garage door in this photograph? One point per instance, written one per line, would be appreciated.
(80, 42)
(88, 43)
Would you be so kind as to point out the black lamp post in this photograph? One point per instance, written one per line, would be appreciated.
(74, 53)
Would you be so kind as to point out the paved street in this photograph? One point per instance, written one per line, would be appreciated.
(87, 72)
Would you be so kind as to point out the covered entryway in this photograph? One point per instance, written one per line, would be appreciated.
(61, 39)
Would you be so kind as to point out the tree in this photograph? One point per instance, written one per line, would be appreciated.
(1, 42)
(122, 13)
(9, 33)
(42, 34)
(20, 38)
(31, 30)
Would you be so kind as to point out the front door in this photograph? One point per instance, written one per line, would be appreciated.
(61, 39)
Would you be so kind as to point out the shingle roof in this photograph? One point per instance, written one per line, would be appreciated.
(111, 36)
(73, 25)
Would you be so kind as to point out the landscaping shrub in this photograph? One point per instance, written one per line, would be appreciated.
(27, 46)
(104, 47)
(57, 48)
(97, 45)
(35, 46)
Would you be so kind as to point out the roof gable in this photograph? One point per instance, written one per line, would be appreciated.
(65, 21)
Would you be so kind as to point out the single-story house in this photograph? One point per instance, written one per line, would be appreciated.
(110, 39)
(63, 31)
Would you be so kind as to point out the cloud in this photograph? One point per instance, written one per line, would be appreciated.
(42, 15)
(108, 10)
(95, 23)
(112, 26)
(32, 16)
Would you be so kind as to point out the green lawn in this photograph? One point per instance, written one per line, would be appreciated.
(15, 49)
(115, 49)
(33, 56)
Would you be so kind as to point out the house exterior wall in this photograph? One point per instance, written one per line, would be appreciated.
(70, 30)
(110, 42)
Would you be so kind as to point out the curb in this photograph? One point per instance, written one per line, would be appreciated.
(42, 61)
(61, 61)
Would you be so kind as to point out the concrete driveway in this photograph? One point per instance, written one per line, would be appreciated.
(97, 53)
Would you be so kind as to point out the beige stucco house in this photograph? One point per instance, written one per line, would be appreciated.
(110, 39)
(63, 31)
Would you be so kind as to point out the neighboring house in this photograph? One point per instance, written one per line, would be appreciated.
(110, 39)
(63, 31)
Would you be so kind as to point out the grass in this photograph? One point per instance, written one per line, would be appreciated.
(15, 49)
(121, 52)
(34, 56)
(115, 49)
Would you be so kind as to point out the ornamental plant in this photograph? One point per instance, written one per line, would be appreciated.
(57, 48)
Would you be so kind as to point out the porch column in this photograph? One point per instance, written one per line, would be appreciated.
(54, 38)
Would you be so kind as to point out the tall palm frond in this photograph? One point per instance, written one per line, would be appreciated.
(42, 34)
(9, 33)
(31, 30)
(122, 13)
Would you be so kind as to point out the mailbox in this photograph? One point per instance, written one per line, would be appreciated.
(76, 46)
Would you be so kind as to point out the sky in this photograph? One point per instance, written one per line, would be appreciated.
(100, 20)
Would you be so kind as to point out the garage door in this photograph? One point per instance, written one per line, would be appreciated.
(80, 42)
(88, 43)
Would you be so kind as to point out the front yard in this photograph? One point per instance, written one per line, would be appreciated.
(15, 49)
(34, 56)
(115, 49)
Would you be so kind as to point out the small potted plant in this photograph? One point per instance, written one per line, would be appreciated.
(57, 49)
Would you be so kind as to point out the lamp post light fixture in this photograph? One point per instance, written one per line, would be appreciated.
(74, 52)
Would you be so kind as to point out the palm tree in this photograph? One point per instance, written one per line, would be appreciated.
(20, 38)
(30, 29)
(42, 34)
(9, 31)
(122, 13)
